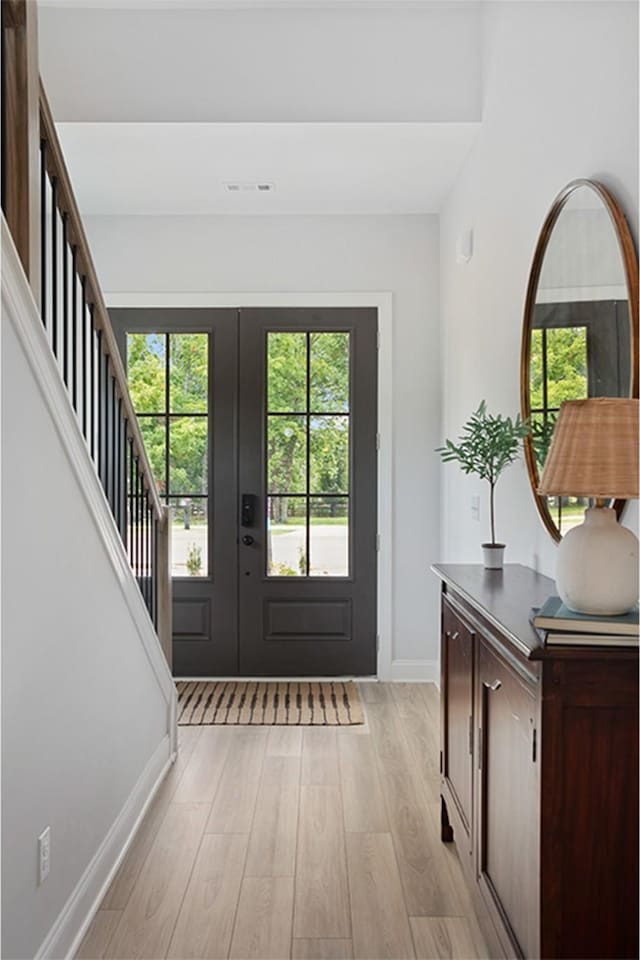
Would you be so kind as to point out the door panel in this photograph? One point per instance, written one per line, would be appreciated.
(307, 584)
(190, 418)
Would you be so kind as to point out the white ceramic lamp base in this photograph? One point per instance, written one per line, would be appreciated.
(597, 570)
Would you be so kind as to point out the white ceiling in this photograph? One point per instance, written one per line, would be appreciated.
(378, 63)
(316, 168)
(347, 106)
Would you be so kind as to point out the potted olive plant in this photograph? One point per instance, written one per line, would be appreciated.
(486, 446)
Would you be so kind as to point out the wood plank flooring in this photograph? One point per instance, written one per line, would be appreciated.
(290, 843)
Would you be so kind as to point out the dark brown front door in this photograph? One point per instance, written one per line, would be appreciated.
(262, 435)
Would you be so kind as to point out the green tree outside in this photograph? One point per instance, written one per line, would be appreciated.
(325, 357)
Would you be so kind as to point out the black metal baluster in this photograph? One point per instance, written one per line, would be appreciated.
(98, 405)
(115, 455)
(108, 418)
(149, 557)
(141, 527)
(117, 436)
(85, 359)
(133, 510)
(54, 267)
(113, 443)
(74, 326)
(122, 476)
(92, 394)
(155, 570)
(147, 562)
(43, 232)
(65, 301)
(103, 407)
(138, 538)
(130, 502)
(145, 554)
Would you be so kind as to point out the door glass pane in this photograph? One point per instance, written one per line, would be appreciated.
(146, 370)
(287, 372)
(287, 454)
(154, 434)
(287, 536)
(329, 537)
(329, 442)
(308, 439)
(329, 386)
(188, 369)
(188, 455)
(189, 536)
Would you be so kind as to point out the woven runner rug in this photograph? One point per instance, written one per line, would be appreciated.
(329, 703)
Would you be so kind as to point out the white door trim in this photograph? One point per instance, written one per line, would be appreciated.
(382, 301)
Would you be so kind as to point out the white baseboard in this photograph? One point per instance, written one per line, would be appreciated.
(65, 936)
(415, 671)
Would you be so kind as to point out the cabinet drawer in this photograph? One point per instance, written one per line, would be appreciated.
(457, 691)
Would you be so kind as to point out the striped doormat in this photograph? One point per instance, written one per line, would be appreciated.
(268, 704)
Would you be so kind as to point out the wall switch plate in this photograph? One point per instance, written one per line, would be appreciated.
(475, 508)
(44, 855)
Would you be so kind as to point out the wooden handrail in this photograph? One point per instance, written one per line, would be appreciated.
(56, 168)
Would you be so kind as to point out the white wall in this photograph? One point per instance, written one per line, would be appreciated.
(560, 102)
(324, 254)
(84, 716)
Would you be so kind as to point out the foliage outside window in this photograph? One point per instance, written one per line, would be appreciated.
(308, 441)
(168, 380)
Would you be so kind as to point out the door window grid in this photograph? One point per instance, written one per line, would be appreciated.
(303, 490)
(168, 378)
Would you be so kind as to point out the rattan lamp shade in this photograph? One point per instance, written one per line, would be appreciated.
(594, 450)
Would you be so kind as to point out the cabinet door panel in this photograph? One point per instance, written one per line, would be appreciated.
(458, 708)
(508, 798)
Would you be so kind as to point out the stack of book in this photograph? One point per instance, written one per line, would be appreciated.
(557, 625)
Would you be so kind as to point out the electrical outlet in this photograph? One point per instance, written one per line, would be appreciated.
(475, 508)
(44, 855)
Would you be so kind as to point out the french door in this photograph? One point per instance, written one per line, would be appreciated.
(260, 425)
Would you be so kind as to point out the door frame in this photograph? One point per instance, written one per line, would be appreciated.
(382, 301)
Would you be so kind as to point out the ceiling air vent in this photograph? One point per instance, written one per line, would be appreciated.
(261, 186)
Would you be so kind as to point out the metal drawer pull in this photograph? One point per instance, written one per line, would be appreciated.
(454, 636)
(493, 686)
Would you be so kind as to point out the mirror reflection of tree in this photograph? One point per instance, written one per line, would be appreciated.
(578, 350)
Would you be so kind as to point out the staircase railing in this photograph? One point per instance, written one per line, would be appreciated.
(58, 263)
(79, 331)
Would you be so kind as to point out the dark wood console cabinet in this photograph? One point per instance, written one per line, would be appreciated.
(539, 772)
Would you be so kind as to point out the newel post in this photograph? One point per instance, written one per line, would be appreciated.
(21, 133)
(165, 587)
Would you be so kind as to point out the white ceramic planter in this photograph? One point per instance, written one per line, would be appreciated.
(493, 555)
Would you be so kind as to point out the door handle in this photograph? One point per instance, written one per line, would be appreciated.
(248, 510)
(248, 540)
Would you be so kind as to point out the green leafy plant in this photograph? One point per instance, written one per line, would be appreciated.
(194, 559)
(486, 446)
(280, 569)
(541, 434)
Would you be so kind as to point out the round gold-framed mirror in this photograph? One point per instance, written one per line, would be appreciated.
(580, 329)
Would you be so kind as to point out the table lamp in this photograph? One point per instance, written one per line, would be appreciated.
(594, 453)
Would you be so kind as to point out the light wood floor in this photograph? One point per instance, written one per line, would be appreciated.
(301, 843)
